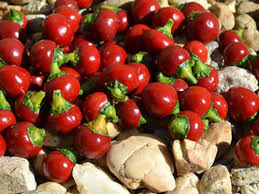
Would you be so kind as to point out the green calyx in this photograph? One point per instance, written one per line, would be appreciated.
(138, 57)
(193, 15)
(142, 120)
(87, 87)
(239, 32)
(4, 104)
(167, 28)
(205, 124)
(245, 63)
(212, 115)
(2, 62)
(200, 69)
(115, 9)
(179, 126)
(255, 145)
(118, 91)
(14, 16)
(176, 108)
(90, 18)
(184, 71)
(164, 79)
(98, 125)
(36, 135)
(73, 57)
(110, 112)
(33, 100)
(70, 153)
(59, 104)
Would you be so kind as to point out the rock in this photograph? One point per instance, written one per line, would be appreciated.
(15, 175)
(250, 189)
(245, 21)
(52, 186)
(21, 2)
(142, 160)
(224, 15)
(245, 176)
(164, 3)
(219, 134)
(231, 5)
(91, 179)
(214, 57)
(118, 3)
(52, 3)
(37, 162)
(232, 76)
(191, 156)
(204, 3)
(247, 7)
(146, 191)
(35, 22)
(3, 8)
(251, 39)
(37, 7)
(216, 180)
(113, 129)
(72, 190)
(188, 183)
(38, 192)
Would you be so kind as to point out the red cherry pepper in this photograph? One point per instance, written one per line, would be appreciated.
(17, 17)
(161, 17)
(68, 3)
(143, 76)
(159, 99)
(14, 80)
(7, 117)
(24, 139)
(12, 52)
(57, 27)
(72, 16)
(198, 100)
(97, 103)
(198, 48)
(60, 80)
(254, 130)
(64, 116)
(57, 166)
(80, 40)
(174, 60)
(112, 54)
(2, 146)
(130, 115)
(247, 150)
(27, 107)
(211, 82)
(204, 27)
(37, 80)
(192, 7)
(92, 140)
(71, 71)
(220, 104)
(142, 10)
(242, 103)
(9, 29)
(124, 20)
(186, 124)
(180, 85)
(227, 37)
(235, 53)
(120, 80)
(156, 40)
(134, 37)
(84, 3)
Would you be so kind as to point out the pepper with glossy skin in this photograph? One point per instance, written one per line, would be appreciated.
(7, 117)
(68, 3)
(24, 139)
(124, 20)
(242, 103)
(84, 3)
(210, 82)
(12, 52)
(220, 104)
(159, 99)
(191, 8)
(17, 17)
(198, 48)
(71, 71)
(247, 150)
(57, 166)
(27, 107)
(9, 29)
(186, 124)
(14, 80)
(80, 40)
(2, 146)
(180, 85)
(92, 139)
(227, 37)
(97, 103)
(37, 80)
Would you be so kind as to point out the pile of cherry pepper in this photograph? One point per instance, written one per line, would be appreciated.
(77, 76)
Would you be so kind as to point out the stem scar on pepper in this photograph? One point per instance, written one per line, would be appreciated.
(179, 126)
(59, 104)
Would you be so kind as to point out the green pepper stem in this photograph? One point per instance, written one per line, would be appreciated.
(98, 125)
(201, 70)
(176, 108)
(14, 16)
(110, 112)
(167, 28)
(36, 135)
(33, 101)
(4, 104)
(142, 120)
(59, 104)
(184, 71)
(115, 9)
(212, 115)
(179, 126)
(164, 79)
(70, 153)
(37, 97)
(138, 57)
(2, 62)
(205, 124)
(73, 57)
(255, 145)
(118, 91)
(239, 32)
